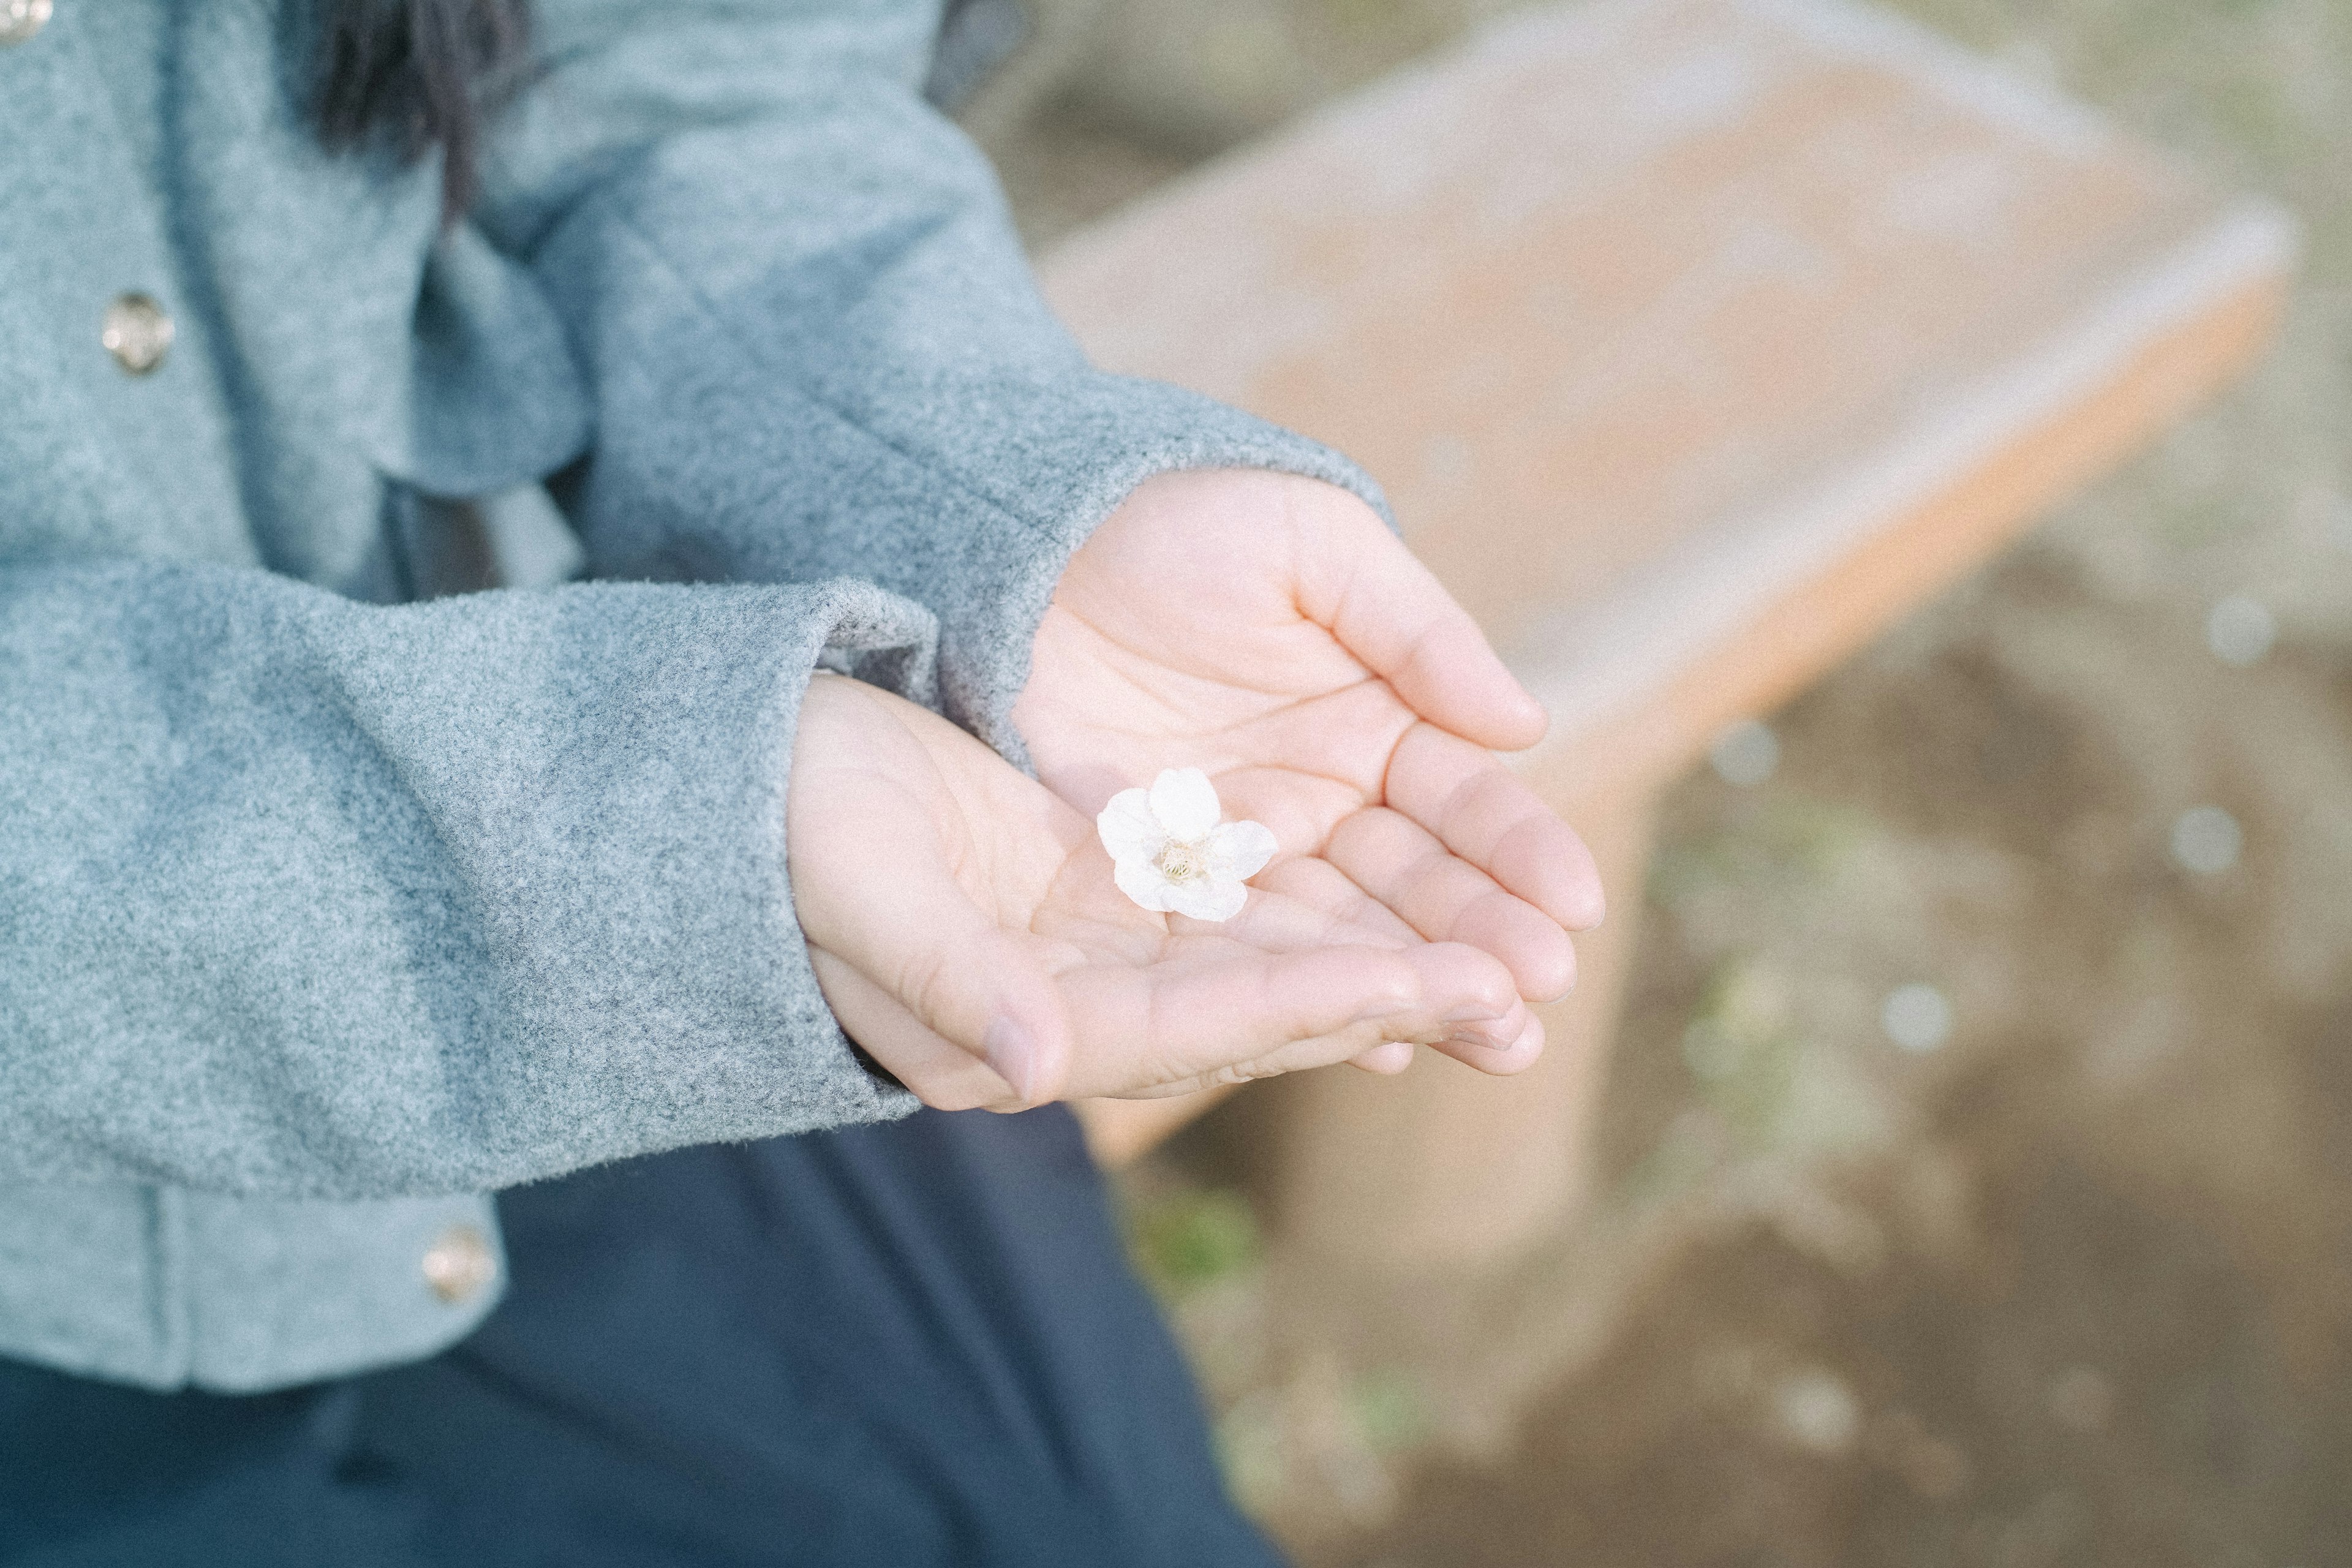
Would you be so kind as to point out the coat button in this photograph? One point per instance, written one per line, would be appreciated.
(20, 19)
(459, 1264)
(136, 332)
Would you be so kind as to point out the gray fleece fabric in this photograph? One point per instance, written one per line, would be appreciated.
(326, 909)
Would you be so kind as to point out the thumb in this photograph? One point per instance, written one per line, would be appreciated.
(877, 899)
(942, 1074)
(1391, 612)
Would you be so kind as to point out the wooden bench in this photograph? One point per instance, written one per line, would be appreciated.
(1695, 341)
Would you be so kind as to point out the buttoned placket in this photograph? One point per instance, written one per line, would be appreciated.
(137, 332)
(459, 1264)
(135, 329)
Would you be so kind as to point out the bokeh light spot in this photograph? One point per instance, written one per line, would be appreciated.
(2083, 1399)
(1815, 1410)
(2207, 840)
(2240, 631)
(1917, 1017)
(1745, 753)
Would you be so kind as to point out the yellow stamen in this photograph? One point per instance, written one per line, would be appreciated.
(1182, 863)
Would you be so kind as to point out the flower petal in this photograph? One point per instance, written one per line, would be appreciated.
(1128, 829)
(1240, 850)
(1141, 881)
(1207, 898)
(1185, 801)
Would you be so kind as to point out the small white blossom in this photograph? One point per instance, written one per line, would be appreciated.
(1173, 854)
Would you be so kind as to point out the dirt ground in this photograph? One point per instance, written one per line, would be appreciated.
(2067, 1280)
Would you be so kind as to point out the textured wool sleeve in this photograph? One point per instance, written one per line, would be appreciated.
(814, 342)
(305, 898)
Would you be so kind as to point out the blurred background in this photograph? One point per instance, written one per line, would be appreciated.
(1976, 1161)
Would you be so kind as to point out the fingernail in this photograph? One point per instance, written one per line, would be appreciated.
(1012, 1050)
(1471, 1038)
(1474, 1013)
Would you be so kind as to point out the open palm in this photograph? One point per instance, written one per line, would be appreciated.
(966, 929)
(1272, 632)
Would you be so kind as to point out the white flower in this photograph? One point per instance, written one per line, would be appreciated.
(1173, 855)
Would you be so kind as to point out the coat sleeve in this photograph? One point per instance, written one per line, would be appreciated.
(301, 896)
(813, 342)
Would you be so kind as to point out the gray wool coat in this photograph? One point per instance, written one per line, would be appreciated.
(330, 902)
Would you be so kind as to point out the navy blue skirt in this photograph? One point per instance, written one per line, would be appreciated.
(911, 1344)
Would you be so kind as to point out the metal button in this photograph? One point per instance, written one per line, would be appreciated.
(20, 19)
(459, 1264)
(136, 330)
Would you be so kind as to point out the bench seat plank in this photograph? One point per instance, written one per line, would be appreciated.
(1693, 340)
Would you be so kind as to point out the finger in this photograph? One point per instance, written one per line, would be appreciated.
(915, 933)
(1305, 902)
(1484, 813)
(1311, 903)
(1392, 615)
(1447, 899)
(1513, 1050)
(1513, 1053)
(1179, 1024)
(1387, 1058)
(940, 1073)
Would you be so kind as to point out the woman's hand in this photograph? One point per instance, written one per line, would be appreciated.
(1271, 631)
(966, 932)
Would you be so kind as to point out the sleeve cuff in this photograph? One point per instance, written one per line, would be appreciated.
(657, 992)
(335, 901)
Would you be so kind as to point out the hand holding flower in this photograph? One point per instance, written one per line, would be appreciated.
(967, 930)
(1270, 631)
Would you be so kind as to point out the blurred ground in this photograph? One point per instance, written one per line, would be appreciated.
(2066, 1278)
